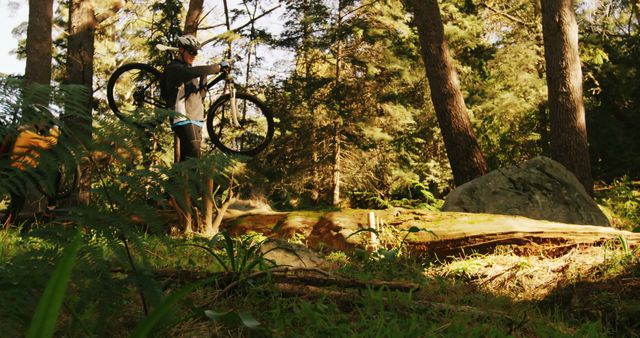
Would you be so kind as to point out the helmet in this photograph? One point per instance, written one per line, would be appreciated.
(190, 43)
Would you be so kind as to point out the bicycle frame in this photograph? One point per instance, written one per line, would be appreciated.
(232, 91)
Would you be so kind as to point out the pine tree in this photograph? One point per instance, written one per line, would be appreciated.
(467, 161)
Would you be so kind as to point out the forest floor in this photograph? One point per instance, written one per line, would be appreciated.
(420, 274)
(476, 274)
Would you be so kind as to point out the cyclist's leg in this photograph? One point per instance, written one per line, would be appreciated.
(51, 200)
(190, 136)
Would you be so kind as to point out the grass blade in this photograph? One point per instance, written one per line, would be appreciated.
(46, 315)
(229, 247)
(146, 325)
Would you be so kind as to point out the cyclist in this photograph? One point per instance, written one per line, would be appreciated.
(182, 89)
(23, 155)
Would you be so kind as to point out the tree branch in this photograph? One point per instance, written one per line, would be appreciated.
(508, 16)
(116, 5)
(235, 30)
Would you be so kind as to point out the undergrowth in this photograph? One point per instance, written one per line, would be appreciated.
(125, 276)
(103, 296)
(621, 198)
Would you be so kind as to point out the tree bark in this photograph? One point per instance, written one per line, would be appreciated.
(337, 165)
(335, 196)
(80, 52)
(466, 159)
(39, 43)
(193, 17)
(564, 82)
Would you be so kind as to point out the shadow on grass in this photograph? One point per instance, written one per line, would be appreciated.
(613, 301)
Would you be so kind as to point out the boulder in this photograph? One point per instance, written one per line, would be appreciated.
(539, 188)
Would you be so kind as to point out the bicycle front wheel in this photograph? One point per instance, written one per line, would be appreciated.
(133, 92)
(252, 132)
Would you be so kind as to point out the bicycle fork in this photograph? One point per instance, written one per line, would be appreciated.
(234, 106)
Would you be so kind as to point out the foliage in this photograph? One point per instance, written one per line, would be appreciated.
(612, 95)
(355, 103)
(238, 255)
(622, 198)
(391, 241)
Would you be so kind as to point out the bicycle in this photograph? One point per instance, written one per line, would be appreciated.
(237, 122)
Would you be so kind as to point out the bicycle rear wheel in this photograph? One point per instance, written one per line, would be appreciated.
(133, 93)
(253, 132)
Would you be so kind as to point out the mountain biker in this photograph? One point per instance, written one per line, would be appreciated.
(22, 154)
(183, 90)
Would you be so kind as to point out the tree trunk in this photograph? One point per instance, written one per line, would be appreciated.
(80, 50)
(465, 157)
(39, 44)
(82, 25)
(38, 68)
(193, 17)
(335, 196)
(252, 37)
(564, 82)
(208, 207)
(305, 49)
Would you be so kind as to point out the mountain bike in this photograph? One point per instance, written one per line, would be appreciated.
(237, 122)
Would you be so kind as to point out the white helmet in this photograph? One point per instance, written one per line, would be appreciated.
(190, 43)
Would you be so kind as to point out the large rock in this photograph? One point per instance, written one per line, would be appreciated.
(539, 188)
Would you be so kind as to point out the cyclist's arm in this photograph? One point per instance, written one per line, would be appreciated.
(178, 73)
(33, 140)
(27, 146)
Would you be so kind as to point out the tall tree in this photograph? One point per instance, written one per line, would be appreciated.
(337, 123)
(39, 43)
(83, 20)
(194, 14)
(564, 81)
(304, 25)
(466, 159)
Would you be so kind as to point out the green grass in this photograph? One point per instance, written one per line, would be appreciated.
(102, 302)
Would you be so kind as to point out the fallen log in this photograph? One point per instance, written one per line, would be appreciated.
(454, 233)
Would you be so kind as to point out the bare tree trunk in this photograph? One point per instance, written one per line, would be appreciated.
(193, 17)
(465, 157)
(187, 212)
(315, 123)
(227, 21)
(337, 166)
(252, 37)
(335, 197)
(208, 207)
(80, 52)
(39, 44)
(38, 68)
(564, 82)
